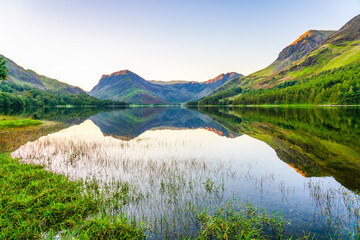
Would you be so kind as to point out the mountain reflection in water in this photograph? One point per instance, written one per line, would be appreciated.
(131, 122)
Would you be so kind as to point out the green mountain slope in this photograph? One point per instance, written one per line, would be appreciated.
(129, 87)
(29, 78)
(126, 86)
(24, 88)
(339, 49)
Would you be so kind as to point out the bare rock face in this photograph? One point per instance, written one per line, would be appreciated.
(224, 77)
(304, 44)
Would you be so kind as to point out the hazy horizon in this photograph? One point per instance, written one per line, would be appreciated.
(78, 42)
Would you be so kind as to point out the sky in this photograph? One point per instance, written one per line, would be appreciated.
(77, 41)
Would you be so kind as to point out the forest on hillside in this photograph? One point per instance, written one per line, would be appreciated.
(337, 86)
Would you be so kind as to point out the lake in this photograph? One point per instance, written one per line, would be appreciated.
(301, 163)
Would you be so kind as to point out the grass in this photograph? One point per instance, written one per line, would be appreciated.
(16, 123)
(35, 203)
(246, 223)
(102, 227)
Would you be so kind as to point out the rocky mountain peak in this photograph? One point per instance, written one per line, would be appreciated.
(304, 44)
(229, 75)
(118, 73)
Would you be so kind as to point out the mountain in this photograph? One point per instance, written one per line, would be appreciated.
(130, 87)
(299, 48)
(309, 58)
(295, 51)
(126, 86)
(25, 88)
(349, 32)
(31, 79)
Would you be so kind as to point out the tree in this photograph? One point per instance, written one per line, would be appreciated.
(3, 69)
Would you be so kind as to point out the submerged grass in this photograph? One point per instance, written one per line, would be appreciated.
(244, 223)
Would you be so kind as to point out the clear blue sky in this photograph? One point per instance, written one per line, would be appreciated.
(77, 41)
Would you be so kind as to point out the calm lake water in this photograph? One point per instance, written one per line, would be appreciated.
(303, 164)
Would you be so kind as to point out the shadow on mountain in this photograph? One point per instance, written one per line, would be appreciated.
(131, 122)
(314, 141)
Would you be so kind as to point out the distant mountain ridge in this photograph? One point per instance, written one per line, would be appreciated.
(29, 78)
(127, 86)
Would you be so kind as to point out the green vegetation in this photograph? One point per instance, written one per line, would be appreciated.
(3, 69)
(58, 114)
(35, 203)
(103, 227)
(216, 99)
(246, 223)
(14, 123)
(337, 86)
(219, 98)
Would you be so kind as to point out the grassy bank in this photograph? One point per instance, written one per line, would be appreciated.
(35, 203)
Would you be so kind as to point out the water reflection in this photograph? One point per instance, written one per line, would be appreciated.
(130, 123)
(273, 162)
(13, 138)
(315, 141)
